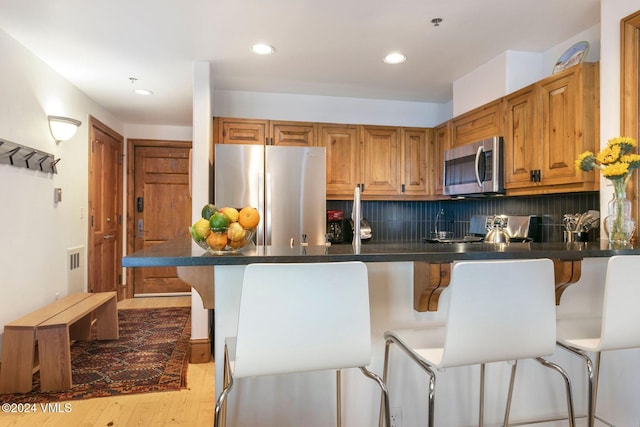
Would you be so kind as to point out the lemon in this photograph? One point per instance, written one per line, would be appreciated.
(236, 232)
(232, 213)
(201, 227)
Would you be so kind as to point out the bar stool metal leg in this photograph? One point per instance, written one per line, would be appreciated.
(567, 381)
(432, 377)
(338, 399)
(481, 414)
(221, 404)
(385, 393)
(591, 407)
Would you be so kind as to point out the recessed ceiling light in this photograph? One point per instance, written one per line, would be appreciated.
(395, 58)
(262, 49)
(143, 92)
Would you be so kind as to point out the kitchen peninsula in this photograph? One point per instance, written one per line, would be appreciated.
(396, 293)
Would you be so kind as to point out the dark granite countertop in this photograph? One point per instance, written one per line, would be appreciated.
(182, 252)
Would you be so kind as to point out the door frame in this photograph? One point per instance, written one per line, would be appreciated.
(132, 144)
(95, 123)
(630, 92)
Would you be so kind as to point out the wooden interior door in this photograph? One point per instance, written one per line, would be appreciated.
(161, 209)
(630, 97)
(105, 208)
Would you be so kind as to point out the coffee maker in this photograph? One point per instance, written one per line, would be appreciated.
(335, 226)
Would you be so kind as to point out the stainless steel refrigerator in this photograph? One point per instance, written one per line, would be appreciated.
(286, 184)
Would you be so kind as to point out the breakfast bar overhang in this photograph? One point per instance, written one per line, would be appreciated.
(406, 286)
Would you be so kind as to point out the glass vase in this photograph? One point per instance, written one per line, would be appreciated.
(619, 225)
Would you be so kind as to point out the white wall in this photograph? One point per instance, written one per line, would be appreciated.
(612, 11)
(327, 109)
(35, 231)
(168, 133)
(513, 70)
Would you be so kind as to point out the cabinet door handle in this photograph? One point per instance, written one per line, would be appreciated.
(403, 188)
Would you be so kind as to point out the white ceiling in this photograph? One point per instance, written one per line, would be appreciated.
(323, 47)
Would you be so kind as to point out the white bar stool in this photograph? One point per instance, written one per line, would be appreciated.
(301, 317)
(618, 328)
(497, 311)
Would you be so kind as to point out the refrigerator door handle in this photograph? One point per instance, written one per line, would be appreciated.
(261, 229)
(268, 207)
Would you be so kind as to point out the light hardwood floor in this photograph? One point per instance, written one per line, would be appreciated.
(192, 407)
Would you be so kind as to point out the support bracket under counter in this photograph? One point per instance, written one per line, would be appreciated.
(431, 278)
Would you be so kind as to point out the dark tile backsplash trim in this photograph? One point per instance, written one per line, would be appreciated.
(399, 221)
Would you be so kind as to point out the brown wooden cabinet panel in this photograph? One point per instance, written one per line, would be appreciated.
(483, 122)
(561, 137)
(522, 139)
(241, 131)
(414, 158)
(343, 159)
(381, 159)
(547, 126)
(253, 131)
(440, 143)
(293, 134)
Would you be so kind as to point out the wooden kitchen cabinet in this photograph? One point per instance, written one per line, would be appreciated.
(521, 140)
(300, 134)
(342, 147)
(240, 131)
(381, 160)
(269, 132)
(438, 145)
(389, 162)
(414, 157)
(478, 124)
(548, 124)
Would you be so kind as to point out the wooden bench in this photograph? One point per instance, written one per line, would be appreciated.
(19, 339)
(74, 323)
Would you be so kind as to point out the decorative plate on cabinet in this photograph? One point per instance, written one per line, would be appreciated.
(572, 56)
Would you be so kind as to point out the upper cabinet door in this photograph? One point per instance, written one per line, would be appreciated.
(293, 134)
(414, 160)
(522, 138)
(381, 156)
(483, 122)
(440, 143)
(561, 137)
(241, 131)
(343, 159)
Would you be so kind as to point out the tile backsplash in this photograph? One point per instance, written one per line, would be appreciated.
(406, 221)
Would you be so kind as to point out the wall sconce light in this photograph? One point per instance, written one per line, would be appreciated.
(63, 128)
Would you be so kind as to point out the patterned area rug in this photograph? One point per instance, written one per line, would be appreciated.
(151, 355)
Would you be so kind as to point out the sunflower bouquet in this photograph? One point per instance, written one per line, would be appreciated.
(616, 163)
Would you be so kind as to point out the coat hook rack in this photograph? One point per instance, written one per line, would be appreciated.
(20, 156)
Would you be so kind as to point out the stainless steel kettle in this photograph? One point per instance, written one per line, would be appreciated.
(496, 232)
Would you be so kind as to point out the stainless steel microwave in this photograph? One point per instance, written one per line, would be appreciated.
(474, 169)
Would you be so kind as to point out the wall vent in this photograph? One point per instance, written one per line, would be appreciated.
(75, 269)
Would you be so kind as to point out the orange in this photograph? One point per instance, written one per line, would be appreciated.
(249, 217)
(238, 243)
(217, 241)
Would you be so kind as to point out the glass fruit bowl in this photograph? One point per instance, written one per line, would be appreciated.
(227, 240)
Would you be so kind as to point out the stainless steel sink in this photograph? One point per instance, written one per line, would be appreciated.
(465, 239)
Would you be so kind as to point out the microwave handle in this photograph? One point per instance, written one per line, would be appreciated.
(478, 154)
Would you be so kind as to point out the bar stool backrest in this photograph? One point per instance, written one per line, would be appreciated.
(302, 317)
(500, 310)
(621, 309)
